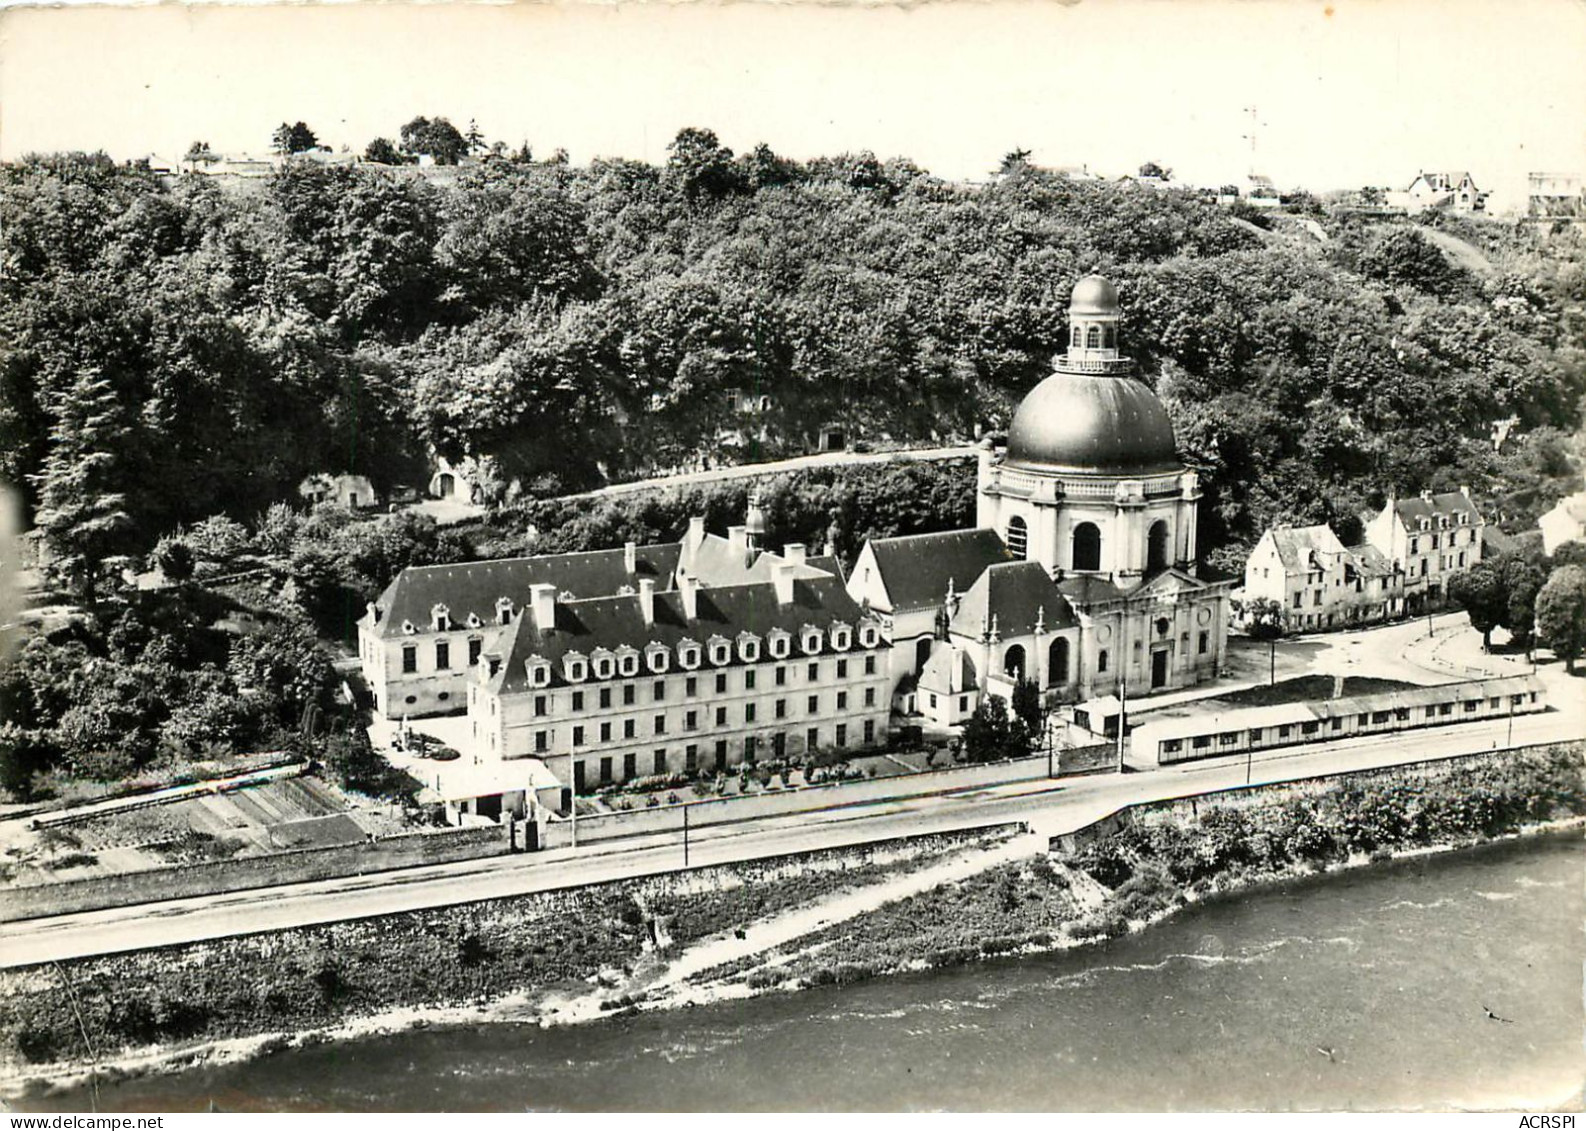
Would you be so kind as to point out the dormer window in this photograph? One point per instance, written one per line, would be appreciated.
(720, 650)
(440, 618)
(474, 621)
(688, 655)
(810, 639)
(778, 643)
(869, 636)
(408, 628)
(503, 610)
(539, 671)
(842, 637)
(575, 668)
(1425, 525)
(602, 663)
(748, 647)
(658, 657)
(628, 661)
(1464, 519)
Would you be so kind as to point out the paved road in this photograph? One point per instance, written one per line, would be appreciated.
(753, 470)
(1051, 807)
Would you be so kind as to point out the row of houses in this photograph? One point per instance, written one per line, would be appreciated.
(1411, 549)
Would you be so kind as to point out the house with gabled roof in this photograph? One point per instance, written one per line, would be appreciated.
(1431, 537)
(1318, 582)
(1455, 191)
(694, 679)
(1566, 522)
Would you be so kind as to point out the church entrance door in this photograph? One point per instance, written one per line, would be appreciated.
(1159, 668)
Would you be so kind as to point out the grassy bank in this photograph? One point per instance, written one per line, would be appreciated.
(58, 1017)
(1171, 855)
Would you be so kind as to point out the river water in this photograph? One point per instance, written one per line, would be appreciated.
(1226, 1007)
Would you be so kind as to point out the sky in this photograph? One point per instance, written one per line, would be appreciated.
(1346, 93)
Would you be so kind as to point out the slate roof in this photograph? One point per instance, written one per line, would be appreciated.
(473, 587)
(949, 671)
(1296, 545)
(916, 569)
(1411, 511)
(1371, 561)
(714, 562)
(1016, 593)
(611, 622)
(1085, 590)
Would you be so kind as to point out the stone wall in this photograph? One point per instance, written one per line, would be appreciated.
(774, 803)
(437, 846)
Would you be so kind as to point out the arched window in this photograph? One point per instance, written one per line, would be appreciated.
(922, 654)
(1013, 661)
(1087, 546)
(1156, 547)
(1018, 537)
(1093, 338)
(1109, 339)
(1057, 662)
(1076, 338)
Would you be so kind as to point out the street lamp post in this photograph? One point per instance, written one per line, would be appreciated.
(686, 808)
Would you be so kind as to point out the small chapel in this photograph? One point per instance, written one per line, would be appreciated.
(1081, 571)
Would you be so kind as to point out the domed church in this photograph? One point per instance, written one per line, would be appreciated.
(1081, 573)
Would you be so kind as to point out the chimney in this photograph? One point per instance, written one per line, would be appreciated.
(688, 590)
(630, 558)
(542, 603)
(374, 613)
(647, 600)
(1464, 489)
(738, 542)
(1426, 496)
(795, 553)
(782, 579)
(696, 530)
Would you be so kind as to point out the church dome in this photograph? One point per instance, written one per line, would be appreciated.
(1090, 423)
(1093, 295)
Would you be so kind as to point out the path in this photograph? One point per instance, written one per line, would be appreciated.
(840, 907)
(755, 470)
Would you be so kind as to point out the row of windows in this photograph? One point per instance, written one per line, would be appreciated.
(662, 760)
(1453, 540)
(1371, 718)
(1086, 544)
(624, 662)
(604, 698)
(721, 716)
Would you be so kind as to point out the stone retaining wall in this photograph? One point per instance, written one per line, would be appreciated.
(438, 846)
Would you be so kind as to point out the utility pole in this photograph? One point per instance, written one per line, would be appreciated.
(1123, 681)
(1251, 138)
(686, 808)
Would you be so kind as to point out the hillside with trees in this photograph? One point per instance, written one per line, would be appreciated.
(172, 350)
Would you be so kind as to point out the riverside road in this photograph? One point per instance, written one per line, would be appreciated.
(1048, 807)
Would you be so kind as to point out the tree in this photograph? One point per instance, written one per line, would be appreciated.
(1561, 614)
(383, 151)
(296, 138)
(475, 139)
(436, 138)
(175, 559)
(701, 164)
(1484, 595)
(1027, 706)
(200, 151)
(990, 735)
(1014, 161)
(1264, 621)
(1152, 170)
(82, 497)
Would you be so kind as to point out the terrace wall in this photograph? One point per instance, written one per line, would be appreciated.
(832, 795)
(406, 850)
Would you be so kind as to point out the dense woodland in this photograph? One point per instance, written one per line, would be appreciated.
(180, 348)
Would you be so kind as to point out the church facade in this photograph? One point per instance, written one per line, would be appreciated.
(1081, 573)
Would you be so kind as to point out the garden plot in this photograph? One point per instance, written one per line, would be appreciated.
(275, 816)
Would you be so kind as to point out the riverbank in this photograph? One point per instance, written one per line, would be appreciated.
(512, 959)
(1168, 857)
(830, 918)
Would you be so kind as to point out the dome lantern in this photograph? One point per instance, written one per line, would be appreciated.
(1092, 415)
